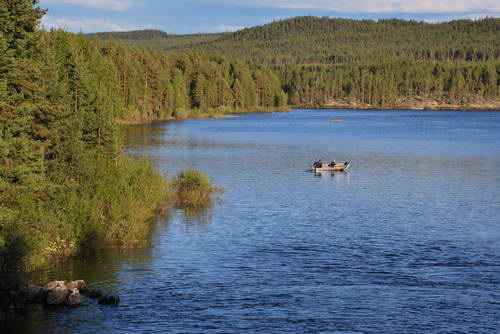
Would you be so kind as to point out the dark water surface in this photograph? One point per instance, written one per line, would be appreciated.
(407, 241)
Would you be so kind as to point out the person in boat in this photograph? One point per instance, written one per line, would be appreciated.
(346, 163)
(318, 163)
(332, 164)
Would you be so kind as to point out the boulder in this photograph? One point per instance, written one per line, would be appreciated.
(74, 298)
(55, 284)
(80, 284)
(32, 293)
(57, 295)
(109, 299)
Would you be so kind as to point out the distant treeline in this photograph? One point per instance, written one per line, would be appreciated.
(128, 35)
(174, 42)
(383, 84)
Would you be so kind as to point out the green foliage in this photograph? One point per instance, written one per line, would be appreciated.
(313, 40)
(174, 42)
(193, 189)
(151, 84)
(384, 84)
(128, 35)
(323, 61)
(63, 181)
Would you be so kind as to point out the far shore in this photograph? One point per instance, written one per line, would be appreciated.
(413, 103)
(349, 107)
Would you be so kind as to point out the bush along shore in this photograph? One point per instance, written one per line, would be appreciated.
(198, 113)
(190, 189)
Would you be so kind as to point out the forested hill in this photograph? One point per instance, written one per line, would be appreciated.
(312, 40)
(388, 63)
(131, 35)
(158, 39)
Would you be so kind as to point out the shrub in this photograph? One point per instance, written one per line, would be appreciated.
(194, 189)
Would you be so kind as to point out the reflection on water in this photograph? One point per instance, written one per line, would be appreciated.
(199, 215)
(337, 176)
(406, 241)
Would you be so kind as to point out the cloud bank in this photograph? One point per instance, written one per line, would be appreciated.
(100, 4)
(90, 24)
(389, 6)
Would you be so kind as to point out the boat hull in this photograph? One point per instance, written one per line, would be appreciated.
(337, 168)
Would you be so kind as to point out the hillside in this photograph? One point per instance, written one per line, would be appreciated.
(311, 40)
(130, 35)
(314, 40)
(172, 42)
(157, 39)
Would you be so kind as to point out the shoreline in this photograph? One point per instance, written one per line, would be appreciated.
(290, 108)
(196, 114)
(350, 107)
(475, 103)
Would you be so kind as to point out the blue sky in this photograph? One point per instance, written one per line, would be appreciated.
(193, 16)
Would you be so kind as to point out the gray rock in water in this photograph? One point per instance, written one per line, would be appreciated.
(74, 298)
(57, 295)
(109, 300)
(80, 284)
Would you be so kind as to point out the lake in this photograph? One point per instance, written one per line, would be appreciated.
(406, 241)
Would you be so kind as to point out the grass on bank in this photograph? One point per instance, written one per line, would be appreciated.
(136, 117)
(108, 203)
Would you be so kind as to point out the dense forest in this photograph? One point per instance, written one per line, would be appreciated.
(404, 84)
(383, 64)
(131, 35)
(314, 40)
(160, 40)
(64, 181)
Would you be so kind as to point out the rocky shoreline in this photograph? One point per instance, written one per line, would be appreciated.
(416, 103)
(16, 297)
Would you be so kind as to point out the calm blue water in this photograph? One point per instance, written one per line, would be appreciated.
(407, 241)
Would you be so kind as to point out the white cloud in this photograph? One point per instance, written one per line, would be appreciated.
(390, 6)
(88, 25)
(101, 4)
(459, 17)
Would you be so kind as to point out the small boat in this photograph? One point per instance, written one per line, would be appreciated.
(339, 167)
